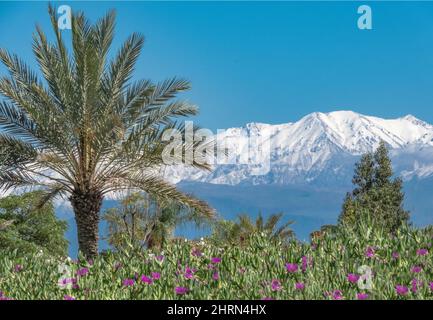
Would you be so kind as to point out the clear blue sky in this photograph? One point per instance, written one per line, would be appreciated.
(269, 62)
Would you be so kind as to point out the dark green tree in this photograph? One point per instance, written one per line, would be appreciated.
(376, 192)
(29, 228)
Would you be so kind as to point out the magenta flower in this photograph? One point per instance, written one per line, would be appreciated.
(156, 275)
(189, 273)
(215, 260)
(362, 296)
(128, 282)
(146, 279)
(352, 278)
(337, 295)
(196, 252)
(415, 284)
(431, 286)
(369, 253)
(181, 290)
(159, 258)
(67, 297)
(291, 267)
(416, 269)
(422, 252)
(401, 290)
(82, 272)
(299, 286)
(304, 263)
(18, 268)
(215, 276)
(276, 285)
(395, 255)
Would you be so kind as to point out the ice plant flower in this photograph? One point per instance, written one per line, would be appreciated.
(82, 272)
(159, 258)
(299, 286)
(304, 263)
(431, 285)
(362, 296)
(415, 284)
(275, 285)
(156, 275)
(337, 295)
(215, 260)
(215, 276)
(401, 290)
(395, 255)
(146, 279)
(18, 268)
(67, 297)
(416, 269)
(291, 267)
(181, 290)
(189, 273)
(422, 252)
(369, 253)
(352, 278)
(128, 282)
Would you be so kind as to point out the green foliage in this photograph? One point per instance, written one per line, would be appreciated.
(238, 232)
(143, 221)
(376, 193)
(245, 272)
(28, 228)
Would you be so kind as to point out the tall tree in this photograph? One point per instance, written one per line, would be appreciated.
(376, 192)
(86, 129)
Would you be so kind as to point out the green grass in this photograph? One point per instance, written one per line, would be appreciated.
(245, 272)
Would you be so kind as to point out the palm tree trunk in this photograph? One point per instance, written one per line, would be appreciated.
(86, 207)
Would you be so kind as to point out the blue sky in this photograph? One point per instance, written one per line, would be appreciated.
(269, 62)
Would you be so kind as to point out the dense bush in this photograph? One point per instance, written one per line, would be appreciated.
(29, 227)
(329, 268)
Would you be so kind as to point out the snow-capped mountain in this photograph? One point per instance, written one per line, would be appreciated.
(319, 148)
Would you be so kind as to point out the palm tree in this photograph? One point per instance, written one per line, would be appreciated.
(141, 221)
(86, 129)
(245, 227)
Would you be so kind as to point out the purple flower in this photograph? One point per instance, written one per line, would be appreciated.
(276, 285)
(304, 263)
(352, 278)
(369, 253)
(401, 290)
(189, 273)
(181, 290)
(117, 266)
(196, 252)
(67, 297)
(156, 275)
(422, 252)
(82, 272)
(337, 295)
(18, 268)
(215, 260)
(299, 286)
(431, 285)
(128, 282)
(215, 276)
(146, 279)
(159, 258)
(291, 267)
(395, 255)
(415, 284)
(416, 269)
(362, 296)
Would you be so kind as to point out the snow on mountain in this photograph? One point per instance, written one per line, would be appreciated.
(318, 147)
